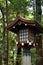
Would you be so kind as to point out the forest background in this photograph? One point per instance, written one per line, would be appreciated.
(9, 10)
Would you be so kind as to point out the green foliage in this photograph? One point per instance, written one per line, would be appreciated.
(19, 6)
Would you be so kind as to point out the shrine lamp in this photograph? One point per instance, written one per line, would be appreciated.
(25, 30)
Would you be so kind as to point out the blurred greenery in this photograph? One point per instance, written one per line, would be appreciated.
(15, 7)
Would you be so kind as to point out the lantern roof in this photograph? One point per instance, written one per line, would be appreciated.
(30, 23)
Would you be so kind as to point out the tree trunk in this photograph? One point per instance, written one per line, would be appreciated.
(7, 30)
(38, 10)
(1, 8)
(34, 8)
(38, 18)
(0, 59)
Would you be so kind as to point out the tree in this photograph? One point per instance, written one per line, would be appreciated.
(3, 41)
(38, 10)
(39, 37)
(7, 30)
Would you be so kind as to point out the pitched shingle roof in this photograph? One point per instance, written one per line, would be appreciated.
(24, 20)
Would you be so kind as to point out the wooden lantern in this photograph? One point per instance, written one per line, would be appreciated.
(26, 31)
